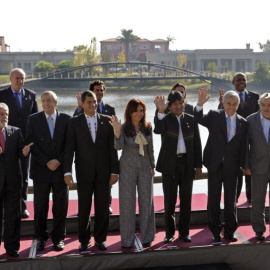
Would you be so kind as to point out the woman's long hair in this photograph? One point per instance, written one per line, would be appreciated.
(129, 129)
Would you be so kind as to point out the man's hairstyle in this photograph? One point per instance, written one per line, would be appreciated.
(4, 106)
(179, 85)
(174, 96)
(229, 94)
(87, 93)
(17, 69)
(52, 94)
(92, 84)
(263, 97)
(236, 74)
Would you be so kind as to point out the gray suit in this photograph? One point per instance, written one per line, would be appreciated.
(258, 160)
(135, 170)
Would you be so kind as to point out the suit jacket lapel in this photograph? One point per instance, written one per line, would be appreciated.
(257, 125)
(224, 124)
(8, 134)
(46, 129)
(99, 125)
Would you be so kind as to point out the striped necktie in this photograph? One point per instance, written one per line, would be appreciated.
(2, 140)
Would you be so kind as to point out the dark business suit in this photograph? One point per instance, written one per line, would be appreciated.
(250, 106)
(19, 119)
(11, 187)
(94, 163)
(223, 160)
(45, 149)
(178, 171)
(106, 109)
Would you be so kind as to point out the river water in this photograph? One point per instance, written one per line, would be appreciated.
(67, 103)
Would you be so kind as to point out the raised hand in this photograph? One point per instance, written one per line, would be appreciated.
(78, 96)
(221, 94)
(203, 96)
(116, 124)
(26, 149)
(161, 103)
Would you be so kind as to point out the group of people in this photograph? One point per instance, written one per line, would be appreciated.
(52, 141)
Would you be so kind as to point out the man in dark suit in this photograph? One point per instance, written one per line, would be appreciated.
(223, 157)
(258, 163)
(99, 88)
(11, 144)
(22, 102)
(179, 159)
(248, 105)
(47, 131)
(91, 137)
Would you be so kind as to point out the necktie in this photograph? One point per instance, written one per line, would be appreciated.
(51, 126)
(229, 128)
(2, 140)
(242, 103)
(99, 110)
(18, 104)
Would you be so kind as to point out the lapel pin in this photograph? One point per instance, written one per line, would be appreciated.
(101, 123)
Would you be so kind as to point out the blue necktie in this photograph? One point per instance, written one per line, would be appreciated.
(229, 128)
(51, 126)
(17, 100)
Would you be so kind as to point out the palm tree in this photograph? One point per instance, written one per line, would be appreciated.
(170, 39)
(127, 38)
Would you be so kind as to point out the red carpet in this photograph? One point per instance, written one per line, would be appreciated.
(199, 202)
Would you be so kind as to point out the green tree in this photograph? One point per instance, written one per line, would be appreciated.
(106, 57)
(65, 64)
(212, 67)
(262, 73)
(127, 38)
(265, 47)
(121, 57)
(182, 60)
(85, 55)
(43, 66)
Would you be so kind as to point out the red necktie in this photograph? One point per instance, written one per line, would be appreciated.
(2, 140)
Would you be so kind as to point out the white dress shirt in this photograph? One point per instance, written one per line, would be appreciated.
(92, 125)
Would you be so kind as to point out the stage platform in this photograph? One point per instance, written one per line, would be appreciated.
(246, 253)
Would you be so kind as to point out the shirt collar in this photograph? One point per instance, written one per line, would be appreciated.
(13, 91)
(91, 117)
(243, 92)
(233, 117)
(53, 115)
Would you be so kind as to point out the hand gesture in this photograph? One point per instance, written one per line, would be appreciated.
(221, 94)
(68, 180)
(79, 100)
(203, 96)
(161, 103)
(26, 149)
(116, 124)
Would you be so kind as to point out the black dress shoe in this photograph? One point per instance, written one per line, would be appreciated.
(216, 240)
(84, 247)
(41, 245)
(185, 238)
(230, 237)
(59, 246)
(25, 214)
(13, 253)
(260, 236)
(168, 239)
(148, 244)
(101, 246)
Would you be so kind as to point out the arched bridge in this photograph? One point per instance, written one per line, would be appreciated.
(130, 71)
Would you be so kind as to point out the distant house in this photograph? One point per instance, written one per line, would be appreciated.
(137, 50)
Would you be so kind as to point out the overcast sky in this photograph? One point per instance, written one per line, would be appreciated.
(57, 25)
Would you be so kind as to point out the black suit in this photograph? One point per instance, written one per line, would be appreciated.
(223, 160)
(19, 119)
(45, 149)
(106, 109)
(11, 187)
(178, 171)
(250, 106)
(94, 163)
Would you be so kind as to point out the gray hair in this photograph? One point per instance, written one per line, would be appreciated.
(263, 97)
(17, 70)
(229, 94)
(52, 94)
(4, 106)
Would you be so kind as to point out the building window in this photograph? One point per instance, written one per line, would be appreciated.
(119, 48)
(107, 48)
(157, 48)
(27, 66)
